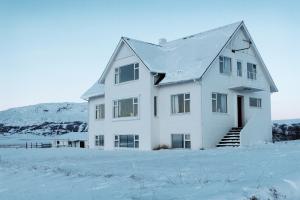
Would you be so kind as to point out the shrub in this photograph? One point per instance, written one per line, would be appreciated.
(161, 146)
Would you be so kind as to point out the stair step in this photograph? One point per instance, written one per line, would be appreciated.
(237, 132)
(230, 139)
(228, 145)
(231, 135)
(227, 142)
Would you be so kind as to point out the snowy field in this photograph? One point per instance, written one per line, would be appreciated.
(270, 171)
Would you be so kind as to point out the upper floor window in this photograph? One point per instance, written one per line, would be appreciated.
(255, 102)
(125, 108)
(225, 65)
(180, 103)
(127, 73)
(99, 140)
(251, 71)
(239, 68)
(100, 111)
(219, 102)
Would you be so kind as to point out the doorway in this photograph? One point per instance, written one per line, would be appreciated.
(240, 103)
(81, 144)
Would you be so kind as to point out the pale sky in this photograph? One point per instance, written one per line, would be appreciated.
(52, 51)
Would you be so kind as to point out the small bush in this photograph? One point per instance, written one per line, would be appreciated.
(253, 198)
(161, 146)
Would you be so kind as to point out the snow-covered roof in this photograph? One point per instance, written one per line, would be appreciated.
(73, 136)
(96, 90)
(186, 58)
(180, 60)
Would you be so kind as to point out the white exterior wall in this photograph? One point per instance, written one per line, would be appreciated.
(182, 123)
(96, 126)
(216, 125)
(141, 89)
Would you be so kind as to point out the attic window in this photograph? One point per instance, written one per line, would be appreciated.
(127, 73)
(225, 65)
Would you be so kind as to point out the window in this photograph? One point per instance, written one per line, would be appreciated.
(99, 140)
(100, 111)
(255, 102)
(225, 65)
(127, 141)
(219, 102)
(180, 103)
(181, 141)
(127, 73)
(155, 106)
(251, 71)
(125, 108)
(239, 68)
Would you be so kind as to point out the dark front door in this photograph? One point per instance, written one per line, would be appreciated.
(240, 100)
(81, 144)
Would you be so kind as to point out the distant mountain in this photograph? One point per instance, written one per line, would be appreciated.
(287, 121)
(45, 119)
(288, 129)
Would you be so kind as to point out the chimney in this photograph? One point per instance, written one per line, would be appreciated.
(162, 41)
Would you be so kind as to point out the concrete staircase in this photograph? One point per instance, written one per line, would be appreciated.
(231, 139)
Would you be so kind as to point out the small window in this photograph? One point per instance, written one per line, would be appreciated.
(180, 103)
(181, 141)
(219, 102)
(155, 105)
(99, 140)
(239, 68)
(225, 65)
(100, 111)
(251, 71)
(127, 73)
(127, 141)
(125, 108)
(255, 102)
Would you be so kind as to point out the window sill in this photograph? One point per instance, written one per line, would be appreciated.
(126, 82)
(125, 119)
(180, 114)
(220, 113)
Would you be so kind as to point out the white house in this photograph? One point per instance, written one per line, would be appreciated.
(201, 91)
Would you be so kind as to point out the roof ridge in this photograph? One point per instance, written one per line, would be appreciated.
(207, 31)
(127, 38)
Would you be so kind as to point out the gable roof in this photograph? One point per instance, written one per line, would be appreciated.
(187, 58)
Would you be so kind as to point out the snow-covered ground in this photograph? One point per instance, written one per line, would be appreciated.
(265, 171)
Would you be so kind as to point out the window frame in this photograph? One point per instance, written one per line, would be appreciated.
(258, 102)
(116, 107)
(136, 73)
(136, 141)
(239, 73)
(100, 111)
(222, 61)
(99, 140)
(185, 140)
(216, 102)
(185, 99)
(252, 75)
(155, 106)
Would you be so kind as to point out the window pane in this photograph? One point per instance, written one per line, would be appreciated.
(187, 137)
(177, 140)
(155, 106)
(136, 109)
(187, 96)
(126, 107)
(174, 103)
(239, 68)
(180, 103)
(187, 144)
(214, 105)
(221, 64)
(136, 72)
(126, 73)
(116, 144)
(136, 144)
(187, 106)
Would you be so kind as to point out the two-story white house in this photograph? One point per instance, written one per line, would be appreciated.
(201, 91)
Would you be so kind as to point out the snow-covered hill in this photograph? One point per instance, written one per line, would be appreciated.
(288, 129)
(48, 118)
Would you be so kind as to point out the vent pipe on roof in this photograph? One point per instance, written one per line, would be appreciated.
(162, 41)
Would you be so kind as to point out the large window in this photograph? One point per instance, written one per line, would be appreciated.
(225, 65)
(181, 141)
(127, 141)
(251, 71)
(255, 102)
(239, 68)
(125, 108)
(127, 73)
(219, 102)
(99, 140)
(100, 111)
(180, 103)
